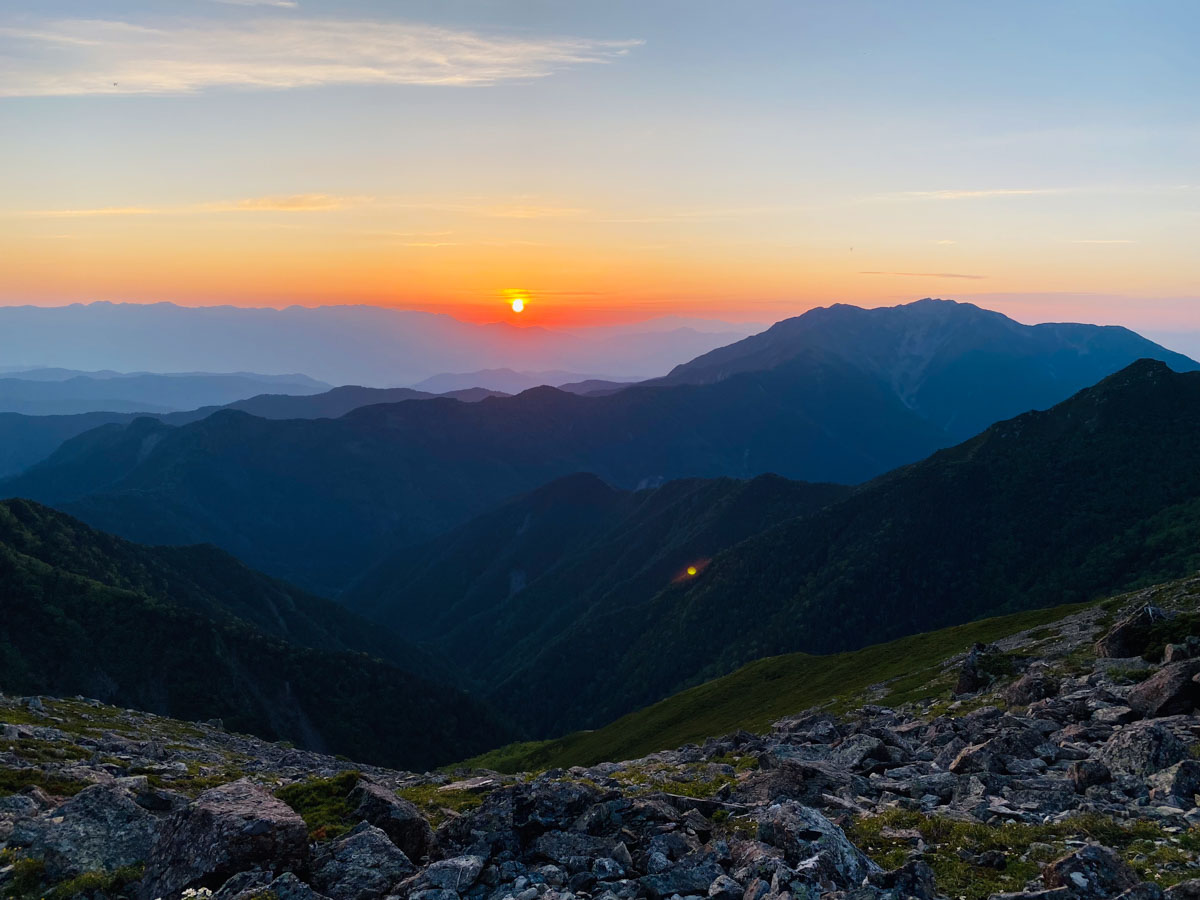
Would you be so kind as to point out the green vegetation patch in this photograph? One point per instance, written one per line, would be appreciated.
(974, 861)
(14, 781)
(438, 805)
(323, 803)
(760, 693)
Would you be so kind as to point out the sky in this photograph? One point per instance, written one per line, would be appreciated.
(605, 160)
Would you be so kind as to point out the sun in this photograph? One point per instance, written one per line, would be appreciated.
(691, 570)
(518, 304)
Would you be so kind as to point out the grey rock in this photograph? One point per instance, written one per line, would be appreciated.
(455, 874)
(693, 878)
(1177, 784)
(399, 819)
(363, 864)
(1170, 691)
(226, 830)
(820, 851)
(1090, 872)
(101, 828)
(1141, 749)
(1128, 637)
(286, 887)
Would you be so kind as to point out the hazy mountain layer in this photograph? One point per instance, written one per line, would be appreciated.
(368, 345)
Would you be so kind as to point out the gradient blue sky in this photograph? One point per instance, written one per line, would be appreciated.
(607, 160)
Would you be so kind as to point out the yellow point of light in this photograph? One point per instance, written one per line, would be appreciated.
(518, 304)
(691, 570)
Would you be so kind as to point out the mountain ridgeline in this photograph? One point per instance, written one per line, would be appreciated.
(1095, 495)
(836, 395)
(191, 632)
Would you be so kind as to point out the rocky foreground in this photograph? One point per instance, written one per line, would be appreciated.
(1057, 763)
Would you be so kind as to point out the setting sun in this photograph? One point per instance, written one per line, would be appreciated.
(518, 304)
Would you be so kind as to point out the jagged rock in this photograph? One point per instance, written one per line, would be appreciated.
(1090, 872)
(286, 887)
(820, 851)
(1147, 890)
(399, 819)
(226, 830)
(456, 874)
(1141, 749)
(725, 888)
(1031, 687)
(571, 848)
(1177, 784)
(1170, 691)
(363, 864)
(855, 750)
(1088, 773)
(1176, 653)
(547, 805)
(1185, 890)
(1129, 636)
(101, 827)
(689, 877)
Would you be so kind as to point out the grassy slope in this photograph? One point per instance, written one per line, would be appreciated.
(758, 694)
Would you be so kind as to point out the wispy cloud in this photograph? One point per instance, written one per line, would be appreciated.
(282, 4)
(1091, 241)
(93, 213)
(928, 275)
(80, 56)
(984, 194)
(289, 203)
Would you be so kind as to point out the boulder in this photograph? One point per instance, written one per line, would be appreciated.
(571, 849)
(1170, 691)
(1185, 890)
(100, 828)
(820, 851)
(398, 818)
(1177, 784)
(689, 877)
(1141, 749)
(1090, 872)
(1031, 687)
(229, 829)
(1130, 635)
(363, 864)
(1088, 773)
(456, 874)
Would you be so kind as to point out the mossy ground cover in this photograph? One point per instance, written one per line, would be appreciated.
(28, 881)
(323, 803)
(758, 694)
(438, 805)
(974, 861)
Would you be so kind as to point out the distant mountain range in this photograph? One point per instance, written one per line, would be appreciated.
(321, 501)
(36, 394)
(509, 381)
(366, 345)
(25, 439)
(191, 632)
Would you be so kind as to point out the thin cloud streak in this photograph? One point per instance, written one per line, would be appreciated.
(928, 275)
(282, 4)
(108, 57)
(289, 203)
(1103, 242)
